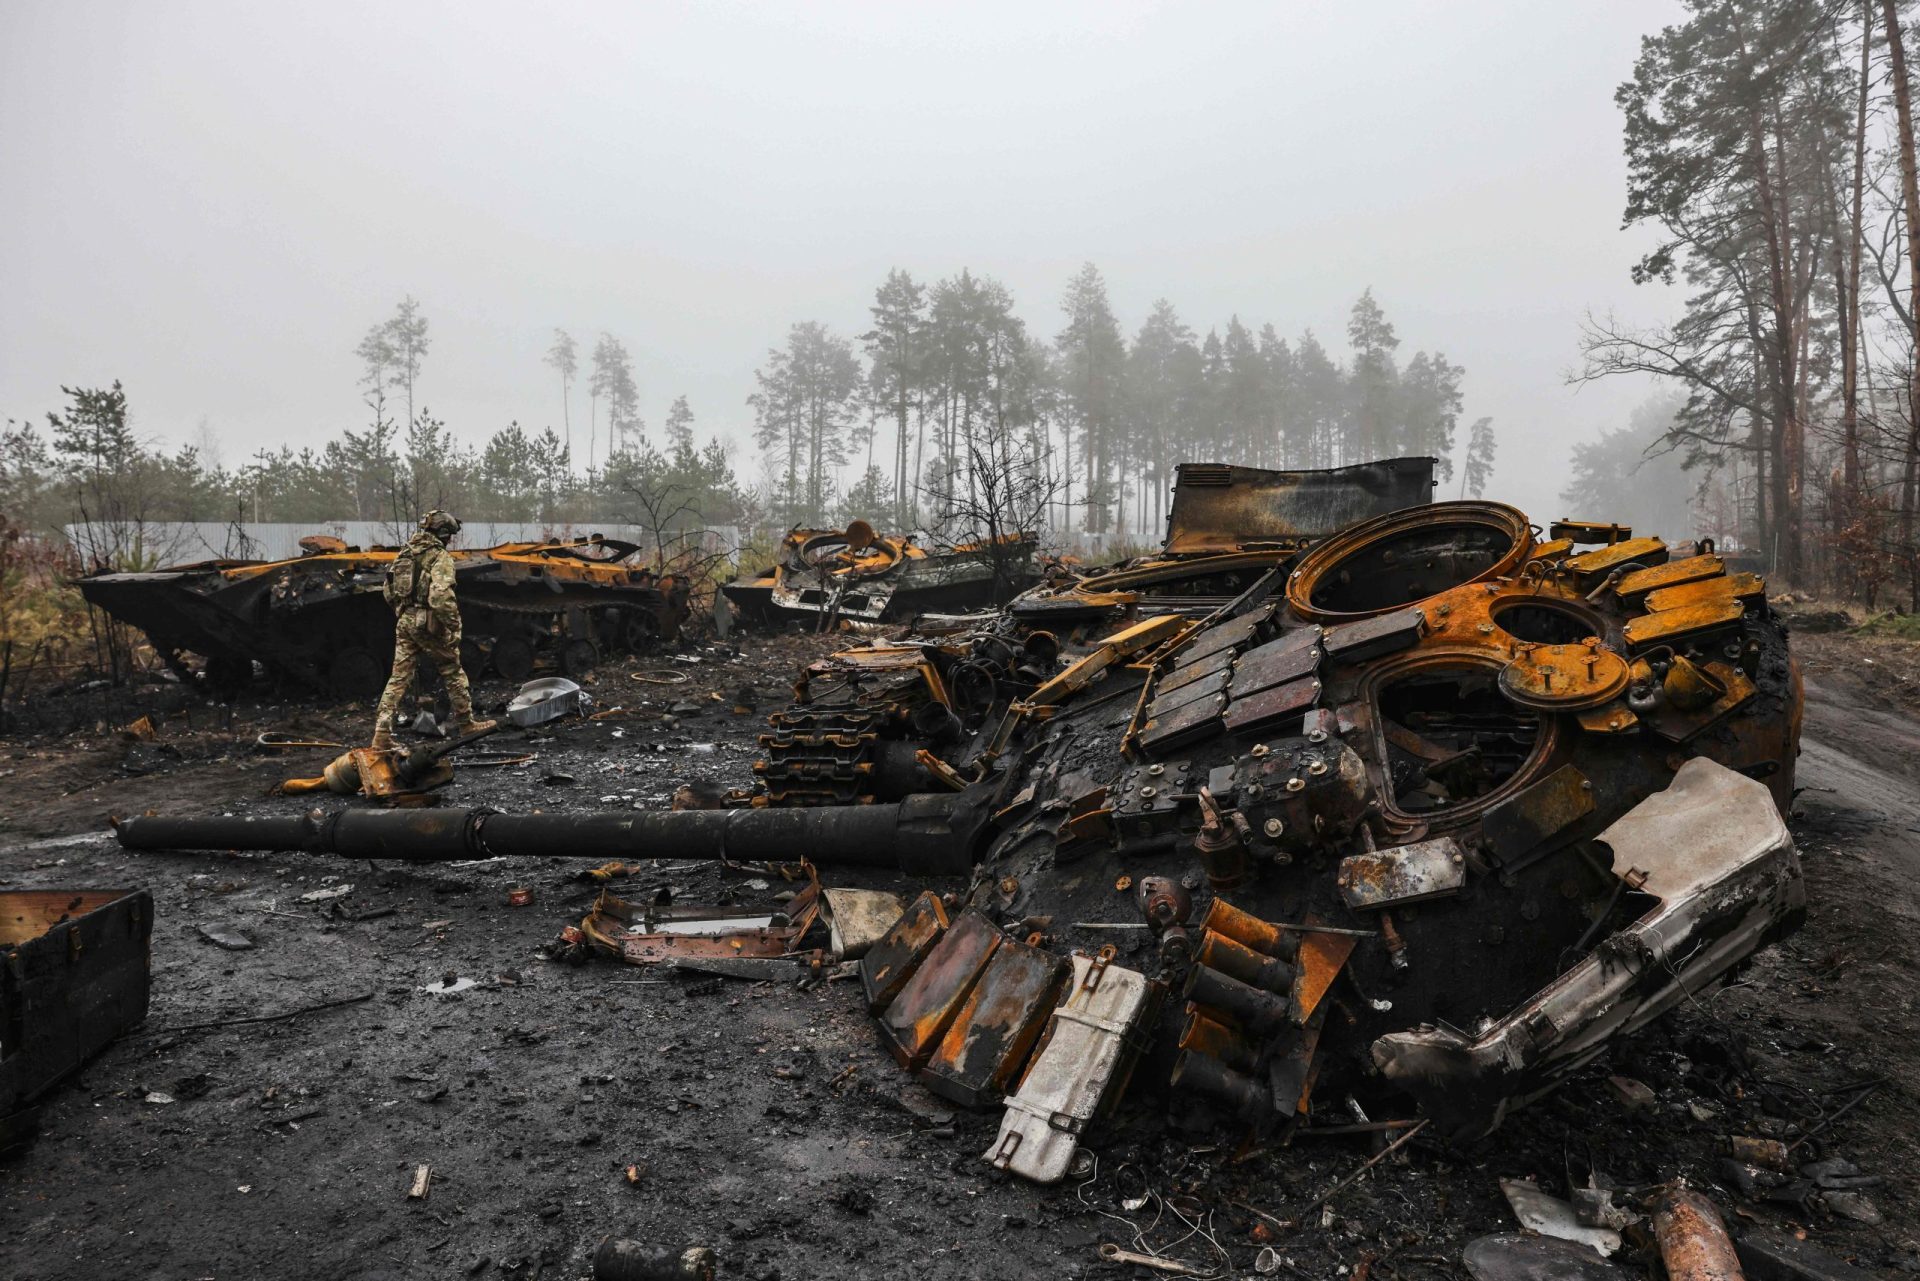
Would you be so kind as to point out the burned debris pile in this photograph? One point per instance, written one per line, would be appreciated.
(1417, 816)
(829, 577)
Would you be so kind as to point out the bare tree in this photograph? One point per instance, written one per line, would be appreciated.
(564, 357)
(993, 505)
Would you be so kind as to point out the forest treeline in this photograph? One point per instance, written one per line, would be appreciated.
(945, 415)
(1770, 144)
(949, 374)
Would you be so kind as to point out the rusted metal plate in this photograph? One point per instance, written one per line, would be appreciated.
(1671, 625)
(1186, 673)
(1165, 702)
(1275, 663)
(1183, 725)
(887, 966)
(997, 1027)
(1321, 956)
(1290, 1073)
(1300, 638)
(914, 1022)
(1271, 706)
(1217, 507)
(1403, 874)
(1687, 569)
(76, 975)
(1741, 586)
(1552, 549)
(654, 949)
(1227, 635)
(1589, 531)
(1564, 677)
(1614, 718)
(1645, 552)
(1678, 725)
(1522, 823)
(1372, 637)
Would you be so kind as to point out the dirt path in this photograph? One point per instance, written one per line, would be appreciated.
(764, 1120)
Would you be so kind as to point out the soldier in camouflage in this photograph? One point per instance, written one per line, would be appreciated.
(426, 623)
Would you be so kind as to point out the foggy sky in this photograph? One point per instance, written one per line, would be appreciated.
(212, 202)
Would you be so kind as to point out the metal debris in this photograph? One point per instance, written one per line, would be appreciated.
(1451, 807)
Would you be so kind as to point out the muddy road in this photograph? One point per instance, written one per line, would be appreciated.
(764, 1120)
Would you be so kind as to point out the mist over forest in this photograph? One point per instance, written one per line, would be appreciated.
(728, 311)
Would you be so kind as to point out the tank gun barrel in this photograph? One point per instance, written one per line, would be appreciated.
(919, 835)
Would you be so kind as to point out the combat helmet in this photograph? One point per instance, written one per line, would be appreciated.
(442, 525)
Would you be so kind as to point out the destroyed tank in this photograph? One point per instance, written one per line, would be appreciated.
(1226, 526)
(1424, 815)
(319, 620)
(826, 577)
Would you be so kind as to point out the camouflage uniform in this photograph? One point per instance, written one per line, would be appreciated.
(426, 624)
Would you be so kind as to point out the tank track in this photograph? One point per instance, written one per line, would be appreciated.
(823, 756)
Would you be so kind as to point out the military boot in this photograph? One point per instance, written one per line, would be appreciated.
(472, 726)
(382, 739)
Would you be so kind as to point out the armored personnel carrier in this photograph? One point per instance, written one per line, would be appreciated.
(318, 620)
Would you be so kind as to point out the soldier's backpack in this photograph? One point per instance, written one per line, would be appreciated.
(406, 582)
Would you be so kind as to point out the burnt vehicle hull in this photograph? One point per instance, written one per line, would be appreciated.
(827, 577)
(1226, 527)
(1427, 820)
(320, 620)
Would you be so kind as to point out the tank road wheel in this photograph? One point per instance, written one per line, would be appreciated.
(638, 631)
(473, 659)
(513, 658)
(355, 673)
(227, 676)
(577, 657)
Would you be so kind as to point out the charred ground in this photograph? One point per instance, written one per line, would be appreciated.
(765, 1120)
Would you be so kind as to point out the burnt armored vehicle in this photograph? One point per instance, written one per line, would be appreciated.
(1426, 814)
(828, 576)
(319, 621)
(1226, 527)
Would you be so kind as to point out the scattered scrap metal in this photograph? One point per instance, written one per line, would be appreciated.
(826, 577)
(1423, 813)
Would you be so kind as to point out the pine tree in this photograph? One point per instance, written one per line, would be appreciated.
(564, 358)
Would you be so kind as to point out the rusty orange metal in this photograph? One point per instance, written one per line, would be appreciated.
(1552, 549)
(1646, 552)
(1395, 560)
(1589, 531)
(1672, 626)
(888, 964)
(1121, 644)
(1203, 1034)
(1541, 810)
(998, 1026)
(1614, 718)
(1694, 1243)
(1741, 586)
(1237, 960)
(1678, 724)
(609, 927)
(1321, 959)
(915, 1021)
(1565, 677)
(1244, 928)
(1675, 572)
